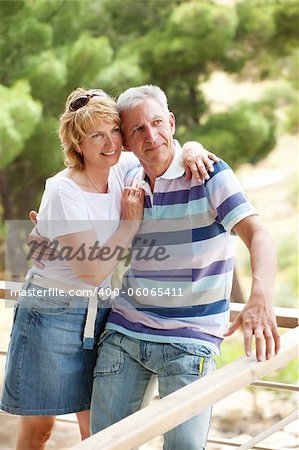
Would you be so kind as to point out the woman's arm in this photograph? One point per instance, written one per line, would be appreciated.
(198, 161)
(93, 268)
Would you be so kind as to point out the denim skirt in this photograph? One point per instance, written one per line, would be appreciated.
(48, 372)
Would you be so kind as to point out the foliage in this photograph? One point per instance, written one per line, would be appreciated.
(245, 132)
(18, 116)
(48, 48)
(267, 32)
(292, 122)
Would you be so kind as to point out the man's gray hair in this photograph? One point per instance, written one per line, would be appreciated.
(132, 97)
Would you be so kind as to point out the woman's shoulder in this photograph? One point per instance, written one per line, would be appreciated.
(61, 180)
(60, 188)
(61, 194)
(126, 162)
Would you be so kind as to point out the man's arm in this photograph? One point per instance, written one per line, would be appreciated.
(258, 318)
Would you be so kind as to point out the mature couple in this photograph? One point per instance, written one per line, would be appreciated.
(172, 313)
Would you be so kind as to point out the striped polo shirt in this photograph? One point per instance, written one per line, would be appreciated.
(178, 285)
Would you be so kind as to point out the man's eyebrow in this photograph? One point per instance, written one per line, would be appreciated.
(139, 124)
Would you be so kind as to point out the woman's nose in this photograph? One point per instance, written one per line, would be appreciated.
(108, 140)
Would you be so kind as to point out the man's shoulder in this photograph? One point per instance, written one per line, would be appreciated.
(182, 184)
(219, 167)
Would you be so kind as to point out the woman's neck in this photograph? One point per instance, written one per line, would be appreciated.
(98, 180)
(91, 179)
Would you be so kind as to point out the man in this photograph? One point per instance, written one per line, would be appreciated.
(173, 309)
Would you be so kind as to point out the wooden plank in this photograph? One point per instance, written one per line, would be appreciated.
(230, 443)
(8, 289)
(269, 431)
(286, 317)
(183, 404)
(273, 385)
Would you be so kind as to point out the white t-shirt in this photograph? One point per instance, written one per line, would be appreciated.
(66, 208)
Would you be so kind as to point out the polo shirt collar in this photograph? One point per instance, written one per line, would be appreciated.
(176, 168)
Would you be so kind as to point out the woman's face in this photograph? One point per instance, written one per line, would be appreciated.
(102, 144)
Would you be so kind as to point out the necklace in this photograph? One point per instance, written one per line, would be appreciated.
(93, 185)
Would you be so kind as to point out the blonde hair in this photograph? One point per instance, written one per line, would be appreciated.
(75, 124)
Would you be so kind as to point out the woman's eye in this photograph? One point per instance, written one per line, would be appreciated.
(95, 135)
(116, 130)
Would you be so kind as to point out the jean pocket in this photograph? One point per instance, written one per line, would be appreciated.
(188, 359)
(194, 349)
(49, 305)
(110, 354)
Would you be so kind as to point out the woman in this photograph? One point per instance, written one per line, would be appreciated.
(51, 354)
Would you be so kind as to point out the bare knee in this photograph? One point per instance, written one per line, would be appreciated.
(34, 432)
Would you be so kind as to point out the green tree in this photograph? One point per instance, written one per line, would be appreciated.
(196, 36)
(48, 48)
(18, 118)
(245, 133)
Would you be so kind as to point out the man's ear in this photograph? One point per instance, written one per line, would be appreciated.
(172, 122)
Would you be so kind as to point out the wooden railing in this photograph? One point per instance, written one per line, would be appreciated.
(165, 414)
(183, 404)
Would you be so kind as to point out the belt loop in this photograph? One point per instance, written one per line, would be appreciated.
(88, 335)
(28, 279)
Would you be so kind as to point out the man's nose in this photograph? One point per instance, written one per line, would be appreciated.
(150, 134)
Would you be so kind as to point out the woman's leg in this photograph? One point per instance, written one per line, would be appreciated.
(83, 418)
(34, 432)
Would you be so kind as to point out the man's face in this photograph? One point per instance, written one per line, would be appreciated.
(148, 131)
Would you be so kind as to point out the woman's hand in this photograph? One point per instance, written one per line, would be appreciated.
(40, 248)
(132, 202)
(198, 161)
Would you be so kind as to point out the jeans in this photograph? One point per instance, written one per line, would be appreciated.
(124, 368)
(48, 372)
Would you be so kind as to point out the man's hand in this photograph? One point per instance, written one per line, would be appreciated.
(257, 318)
(198, 161)
(39, 248)
(258, 321)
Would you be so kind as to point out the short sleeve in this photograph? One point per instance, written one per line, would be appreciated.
(62, 210)
(128, 163)
(228, 201)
